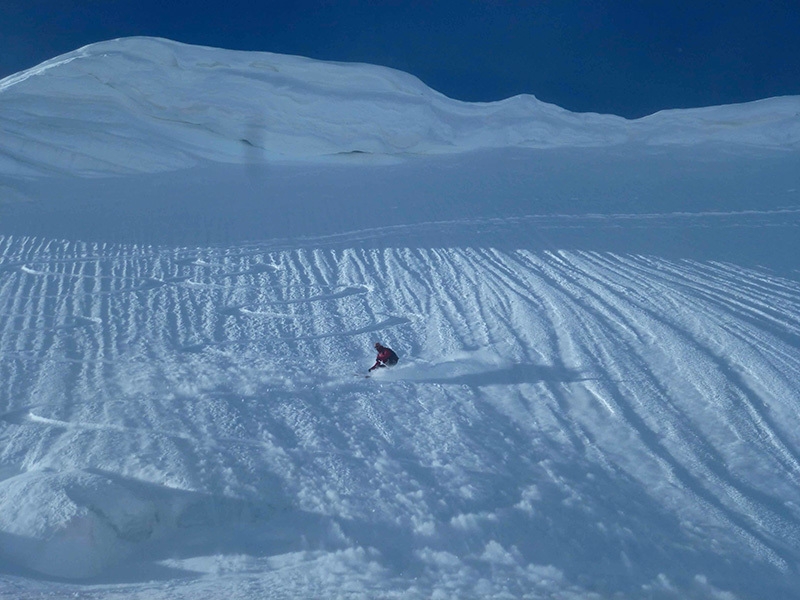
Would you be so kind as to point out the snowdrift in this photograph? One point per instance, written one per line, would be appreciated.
(70, 524)
(598, 323)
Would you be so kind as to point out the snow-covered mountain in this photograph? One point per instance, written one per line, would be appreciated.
(598, 322)
(154, 105)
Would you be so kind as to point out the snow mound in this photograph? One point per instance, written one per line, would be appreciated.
(70, 524)
(144, 105)
(75, 524)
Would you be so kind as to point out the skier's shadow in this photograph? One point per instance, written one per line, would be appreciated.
(514, 374)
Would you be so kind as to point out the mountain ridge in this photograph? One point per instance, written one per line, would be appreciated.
(141, 105)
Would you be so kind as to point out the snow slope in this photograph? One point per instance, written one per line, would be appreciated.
(154, 105)
(598, 322)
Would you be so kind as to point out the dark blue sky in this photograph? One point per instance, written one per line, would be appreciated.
(626, 57)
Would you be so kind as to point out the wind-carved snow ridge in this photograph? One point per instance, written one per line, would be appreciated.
(17, 78)
(148, 105)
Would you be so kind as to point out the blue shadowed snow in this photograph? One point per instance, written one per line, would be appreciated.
(598, 324)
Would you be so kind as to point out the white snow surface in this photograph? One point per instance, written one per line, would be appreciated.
(154, 105)
(598, 323)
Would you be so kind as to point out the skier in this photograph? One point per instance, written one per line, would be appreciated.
(386, 357)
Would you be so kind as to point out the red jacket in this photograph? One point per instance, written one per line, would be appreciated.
(386, 357)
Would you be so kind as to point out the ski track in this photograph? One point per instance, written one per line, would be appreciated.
(533, 389)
